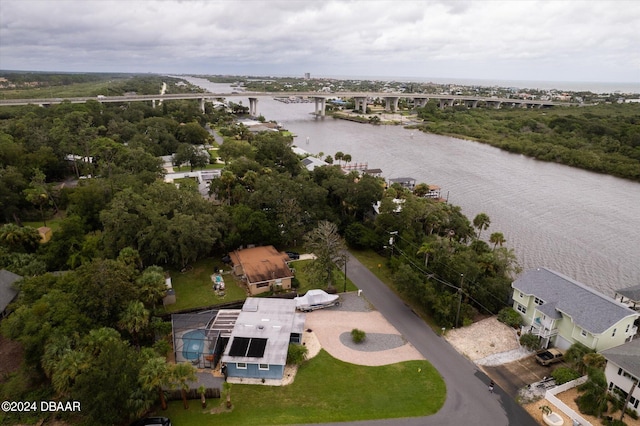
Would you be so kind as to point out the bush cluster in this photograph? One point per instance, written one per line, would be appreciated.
(358, 336)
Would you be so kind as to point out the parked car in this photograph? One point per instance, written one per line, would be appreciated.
(293, 255)
(152, 421)
(549, 356)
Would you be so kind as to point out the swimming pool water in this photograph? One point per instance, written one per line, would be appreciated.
(193, 344)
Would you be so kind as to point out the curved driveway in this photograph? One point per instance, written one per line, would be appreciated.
(468, 399)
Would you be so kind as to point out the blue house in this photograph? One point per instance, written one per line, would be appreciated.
(259, 342)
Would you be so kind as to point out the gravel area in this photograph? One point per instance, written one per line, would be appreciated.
(373, 342)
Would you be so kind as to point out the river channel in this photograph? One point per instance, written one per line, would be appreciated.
(581, 224)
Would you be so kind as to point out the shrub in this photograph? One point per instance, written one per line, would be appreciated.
(296, 354)
(510, 317)
(564, 374)
(358, 336)
(530, 341)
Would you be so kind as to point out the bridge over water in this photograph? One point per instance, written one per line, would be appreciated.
(320, 98)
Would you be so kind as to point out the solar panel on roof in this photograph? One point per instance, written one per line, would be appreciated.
(239, 346)
(246, 346)
(257, 347)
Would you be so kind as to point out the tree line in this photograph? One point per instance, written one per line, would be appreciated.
(601, 138)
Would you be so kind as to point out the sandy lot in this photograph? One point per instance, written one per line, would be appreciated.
(483, 339)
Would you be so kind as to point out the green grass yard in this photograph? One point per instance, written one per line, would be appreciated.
(194, 287)
(325, 390)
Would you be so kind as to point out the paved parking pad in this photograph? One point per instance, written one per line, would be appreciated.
(515, 375)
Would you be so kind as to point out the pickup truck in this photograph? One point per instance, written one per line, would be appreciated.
(549, 356)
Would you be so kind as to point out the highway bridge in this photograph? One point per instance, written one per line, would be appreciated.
(320, 98)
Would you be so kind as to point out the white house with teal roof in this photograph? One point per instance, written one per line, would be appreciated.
(562, 311)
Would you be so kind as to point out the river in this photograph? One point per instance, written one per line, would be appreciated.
(581, 224)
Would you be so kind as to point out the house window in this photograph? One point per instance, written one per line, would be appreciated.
(614, 332)
(619, 371)
(263, 366)
(241, 365)
(626, 331)
(583, 333)
(538, 301)
(260, 285)
(521, 308)
(521, 295)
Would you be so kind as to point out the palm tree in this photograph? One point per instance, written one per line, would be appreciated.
(71, 364)
(339, 156)
(594, 360)
(482, 222)
(497, 238)
(593, 399)
(227, 389)
(347, 158)
(134, 319)
(427, 248)
(154, 375)
(576, 354)
(181, 374)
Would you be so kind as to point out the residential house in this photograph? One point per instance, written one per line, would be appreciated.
(630, 296)
(405, 182)
(262, 269)
(260, 339)
(562, 311)
(623, 370)
(8, 292)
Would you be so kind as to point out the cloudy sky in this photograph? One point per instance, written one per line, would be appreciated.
(498, 40)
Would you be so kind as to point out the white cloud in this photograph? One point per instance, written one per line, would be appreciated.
(547, 40)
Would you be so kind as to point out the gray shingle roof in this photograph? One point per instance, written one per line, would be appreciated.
(7, 290)
(589, 309)
(626, 356)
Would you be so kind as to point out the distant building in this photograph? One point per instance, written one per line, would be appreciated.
(405, 182)
(307, 75)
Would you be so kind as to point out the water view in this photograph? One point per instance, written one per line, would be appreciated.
(582, 224)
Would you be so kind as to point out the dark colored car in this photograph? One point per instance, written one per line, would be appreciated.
(153, 421)
(293, 255)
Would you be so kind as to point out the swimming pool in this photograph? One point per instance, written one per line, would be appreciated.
(193, 344)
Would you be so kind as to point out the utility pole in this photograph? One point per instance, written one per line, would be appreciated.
(391, 241)
(460, 299)
(345, 273)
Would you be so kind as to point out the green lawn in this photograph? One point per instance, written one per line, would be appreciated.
(325, 390)
(194, 287)
(307, 284)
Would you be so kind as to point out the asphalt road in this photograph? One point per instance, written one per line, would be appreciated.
(468, 400)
